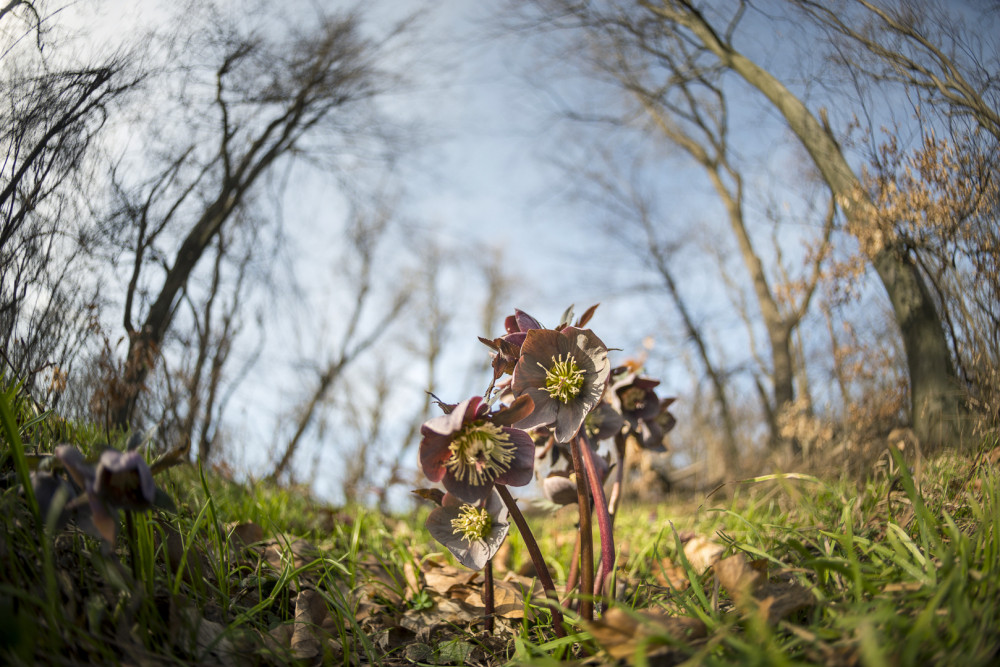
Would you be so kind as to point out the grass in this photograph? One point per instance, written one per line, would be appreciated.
(887, 572)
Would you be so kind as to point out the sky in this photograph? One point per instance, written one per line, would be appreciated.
(484, 178)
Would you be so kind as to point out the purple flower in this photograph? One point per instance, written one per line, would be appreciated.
(470, 449)
(472, 533)
(646, 415)
(565, 374)
(121, 480)
(508, 346)
(636, 398)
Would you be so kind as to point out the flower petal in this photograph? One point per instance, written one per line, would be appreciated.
(465, 491)
(516, 411)
(523, 465)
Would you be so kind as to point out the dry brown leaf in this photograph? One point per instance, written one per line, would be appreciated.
(414, 581)
(209, 638)
(243, 535)
(287, 549)
(779, 600)
(993, 457)
(621, 632)
(702, 553)
(508, 600)
(747, 583)
(737, 576)
(440, 577)
(442, 617)
(310, 612)
(671, 576)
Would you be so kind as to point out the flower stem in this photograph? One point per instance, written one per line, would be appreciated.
(574, 572)
(603, 518)
(541, 569)
(616, 488)
(586, 535)
(488, 596)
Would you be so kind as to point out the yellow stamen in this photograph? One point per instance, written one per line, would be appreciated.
(564, 380)
(472, 523)
(480, 453)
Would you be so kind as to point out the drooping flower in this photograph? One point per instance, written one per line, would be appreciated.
(603, 422)
(559, 486)
(645, 414)
(507, 348)
(120, 480)
(565, 374)
(471, 532)
(470, 449)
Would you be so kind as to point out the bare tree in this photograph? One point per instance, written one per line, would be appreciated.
(55, 111)
(935, 402)
(365, 234)
(273, 100)
(680, 94)
(938, 197)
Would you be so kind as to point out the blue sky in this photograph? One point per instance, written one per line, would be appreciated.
(485, 178)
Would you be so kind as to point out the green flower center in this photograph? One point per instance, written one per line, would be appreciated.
(633, 398)
(472, 523)
(564, 379)
(480, 453)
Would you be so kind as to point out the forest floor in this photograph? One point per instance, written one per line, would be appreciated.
(900, 569)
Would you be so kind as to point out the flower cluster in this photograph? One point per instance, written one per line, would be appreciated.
(558, 384)
(554, 389)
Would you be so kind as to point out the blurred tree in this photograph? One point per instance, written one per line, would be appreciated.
(270, 97)
(54, 113)
(696, 45)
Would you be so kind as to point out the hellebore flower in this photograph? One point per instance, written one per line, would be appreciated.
(564, 373)
(508, 346)
(121, 480)
(603, 422)
(560, 487)
(472, 533)
(470, 449)
(637, 399)
(645, 414)
(52, 491)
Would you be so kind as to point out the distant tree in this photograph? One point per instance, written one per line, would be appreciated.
(706, 37)
(269, 98)
(53, 115)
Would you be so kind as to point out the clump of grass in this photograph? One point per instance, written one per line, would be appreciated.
(900, 571)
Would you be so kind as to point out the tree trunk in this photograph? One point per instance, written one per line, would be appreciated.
(935, 406)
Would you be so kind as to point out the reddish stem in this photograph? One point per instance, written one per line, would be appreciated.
(603, 518)
(541, 569)
(586, 535)
(488, 595)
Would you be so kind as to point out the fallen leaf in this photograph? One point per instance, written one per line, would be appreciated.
(702, 553)
(671, 575)
(440, 577)
(737, 576)
(622, 633)
(286, 549)
(242, 535)
(310, 611)
(753, 593)
(779, 600)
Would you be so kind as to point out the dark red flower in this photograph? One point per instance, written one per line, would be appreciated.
(565, 374)
(470, 449)
(508, 346)
(472, 533)
(120, 480)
